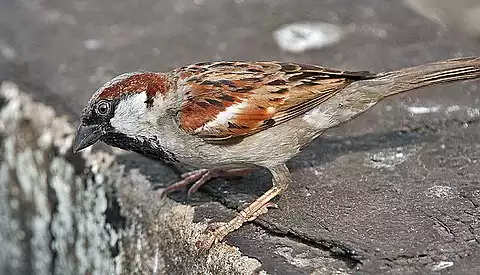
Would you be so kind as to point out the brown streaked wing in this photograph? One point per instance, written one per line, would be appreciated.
(233, 99)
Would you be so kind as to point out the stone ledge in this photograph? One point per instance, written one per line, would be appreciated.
(96, 212)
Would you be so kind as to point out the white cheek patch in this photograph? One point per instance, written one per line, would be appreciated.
(130, 114)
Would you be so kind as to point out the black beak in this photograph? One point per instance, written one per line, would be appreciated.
(86, 135)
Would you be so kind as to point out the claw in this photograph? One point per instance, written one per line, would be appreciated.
(204, 179)
(208, 238)
(205, 242)
(271, 205)
(188, 178)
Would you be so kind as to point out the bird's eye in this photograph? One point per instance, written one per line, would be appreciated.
(102, 108)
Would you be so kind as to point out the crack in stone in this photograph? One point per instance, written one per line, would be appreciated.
(442, 224)
(337, 251)
(469, 199)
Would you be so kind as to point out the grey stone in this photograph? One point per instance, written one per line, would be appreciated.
(462, 15)
(417, 214)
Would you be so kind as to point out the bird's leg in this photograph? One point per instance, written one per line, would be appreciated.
(199, 177)
(281, 180)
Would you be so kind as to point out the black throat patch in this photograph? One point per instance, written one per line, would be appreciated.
(149, 147)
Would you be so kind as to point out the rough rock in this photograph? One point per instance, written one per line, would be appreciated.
(72, 214)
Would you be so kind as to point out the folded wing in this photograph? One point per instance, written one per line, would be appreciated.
(229, 100)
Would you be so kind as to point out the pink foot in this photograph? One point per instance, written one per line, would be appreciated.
(199, 177)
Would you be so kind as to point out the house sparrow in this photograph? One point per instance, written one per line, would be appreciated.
(230, 117)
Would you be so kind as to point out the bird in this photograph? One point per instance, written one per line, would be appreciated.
(231, 117)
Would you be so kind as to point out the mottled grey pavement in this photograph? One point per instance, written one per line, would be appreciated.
(396, 190)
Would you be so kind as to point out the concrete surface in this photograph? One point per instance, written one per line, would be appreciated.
(394, 191)
(461, 15)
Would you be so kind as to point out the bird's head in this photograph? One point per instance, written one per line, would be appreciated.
(120, 106)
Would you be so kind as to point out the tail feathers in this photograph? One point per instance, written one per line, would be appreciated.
(361, 95)
(436, 73)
